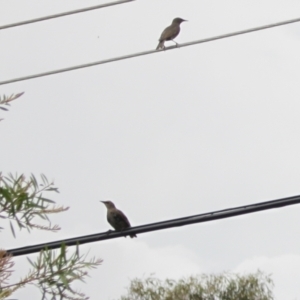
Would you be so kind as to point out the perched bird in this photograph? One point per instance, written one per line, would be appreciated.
(170, 33)
(116, 218)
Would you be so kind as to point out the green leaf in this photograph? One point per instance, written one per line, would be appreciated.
(12, 229)
(31, 262)
(46, 200)
(63, 279)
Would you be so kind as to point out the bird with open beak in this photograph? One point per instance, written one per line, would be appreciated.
(170, 33)
(116, 218)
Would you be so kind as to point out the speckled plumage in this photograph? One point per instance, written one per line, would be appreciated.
(170, 33)
(116, 218)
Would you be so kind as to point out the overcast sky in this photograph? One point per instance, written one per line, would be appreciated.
(167, 135)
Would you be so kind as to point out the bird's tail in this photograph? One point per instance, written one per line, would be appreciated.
(160, 45)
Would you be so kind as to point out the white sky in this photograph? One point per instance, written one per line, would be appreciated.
(173, 134)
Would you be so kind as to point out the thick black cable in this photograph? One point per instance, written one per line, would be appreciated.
(149, 52)
(200, 218)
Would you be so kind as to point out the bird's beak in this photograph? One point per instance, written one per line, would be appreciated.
(185, 20)
(102, 201)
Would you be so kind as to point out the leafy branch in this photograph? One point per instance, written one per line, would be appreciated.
(22, 201)
(222, 286)
(6, 265)
(53, 273)
(5, 101)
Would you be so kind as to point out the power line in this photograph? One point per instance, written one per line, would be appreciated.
(101, 62)
(200, 218)
(77, 11)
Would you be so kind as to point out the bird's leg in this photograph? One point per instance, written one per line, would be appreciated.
(175, 43)
(109, 231)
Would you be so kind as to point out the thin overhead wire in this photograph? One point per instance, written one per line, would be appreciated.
(67, 13)
(105, 61)
(200, 218)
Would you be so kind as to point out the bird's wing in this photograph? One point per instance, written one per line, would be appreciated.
(164, 34)
(120, 215)
(170, 33)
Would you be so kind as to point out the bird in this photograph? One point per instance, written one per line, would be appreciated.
(170, 33)
(116, 218)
